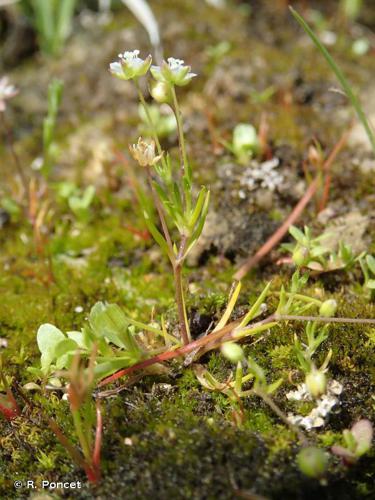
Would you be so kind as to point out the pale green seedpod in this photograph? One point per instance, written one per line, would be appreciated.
(301, 256)
(312, 462)
(232, 351)
(245, 141)
(161, 92)
(316, 383)
(328, 308)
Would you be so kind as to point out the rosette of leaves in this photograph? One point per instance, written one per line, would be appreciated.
(317, 254)
(108, 329)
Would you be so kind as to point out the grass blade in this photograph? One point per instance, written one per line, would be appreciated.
(340, 76)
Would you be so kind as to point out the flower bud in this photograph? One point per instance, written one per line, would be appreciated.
(328, 308)
(301, 256)
(245, 136)
(312, 462)
(161, 92)
(316, 383)
(233, 352)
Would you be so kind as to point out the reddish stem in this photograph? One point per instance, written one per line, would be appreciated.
(98, 439)
(228, 333)
(181, 351)
(279, 233)
(326, 188)
(295, 214)
(92, 474)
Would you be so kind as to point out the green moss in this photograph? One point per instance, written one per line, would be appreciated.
(182, 440)
(259, 421)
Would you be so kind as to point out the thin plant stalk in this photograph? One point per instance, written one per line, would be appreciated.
(274, 407)
(64, 441)
(17, 163)
(176, 266)
(228, 333)
(177, 263)
(149, 118)
(294, 215)
(177, 112)
(163, 222)
(340, 76)
(177, 271)
(98, 437)
(82, 435)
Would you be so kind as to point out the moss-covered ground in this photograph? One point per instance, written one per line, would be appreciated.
(165, 436)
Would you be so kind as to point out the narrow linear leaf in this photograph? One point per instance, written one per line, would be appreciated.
(340, 76)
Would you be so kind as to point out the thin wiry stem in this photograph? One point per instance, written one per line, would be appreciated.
(150, 121)
(81, 435)
(321, 319)
(269, 401)
(340, 76)
(163, 222)
(293, 216)
(9, 138)
(177, 112)
(229, 332)
(181, 307)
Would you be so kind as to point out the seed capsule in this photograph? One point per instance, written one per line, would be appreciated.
(316, 383)
(328, 308)
(312, 462)
(232, 351)
(301, 256)
(161, 92)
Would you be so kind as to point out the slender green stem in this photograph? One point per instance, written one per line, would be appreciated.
(183, 320)
(149, 119)
(163, 222)
(180, 300)
(269, 401)
(303, 298)
(322, 319)
(151, 329)
(81, 435)
(181, 137)
(74, 453)
(176, 263)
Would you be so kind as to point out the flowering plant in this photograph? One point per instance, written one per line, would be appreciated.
(171, 187)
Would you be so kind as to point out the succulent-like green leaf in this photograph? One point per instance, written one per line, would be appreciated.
(48, 337)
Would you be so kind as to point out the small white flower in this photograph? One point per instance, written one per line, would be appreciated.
(173, 72)
(7, 91)
(130, 66)
(175, 64)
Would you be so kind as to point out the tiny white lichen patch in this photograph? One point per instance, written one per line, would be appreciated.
(316, 418)
(263, 175)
